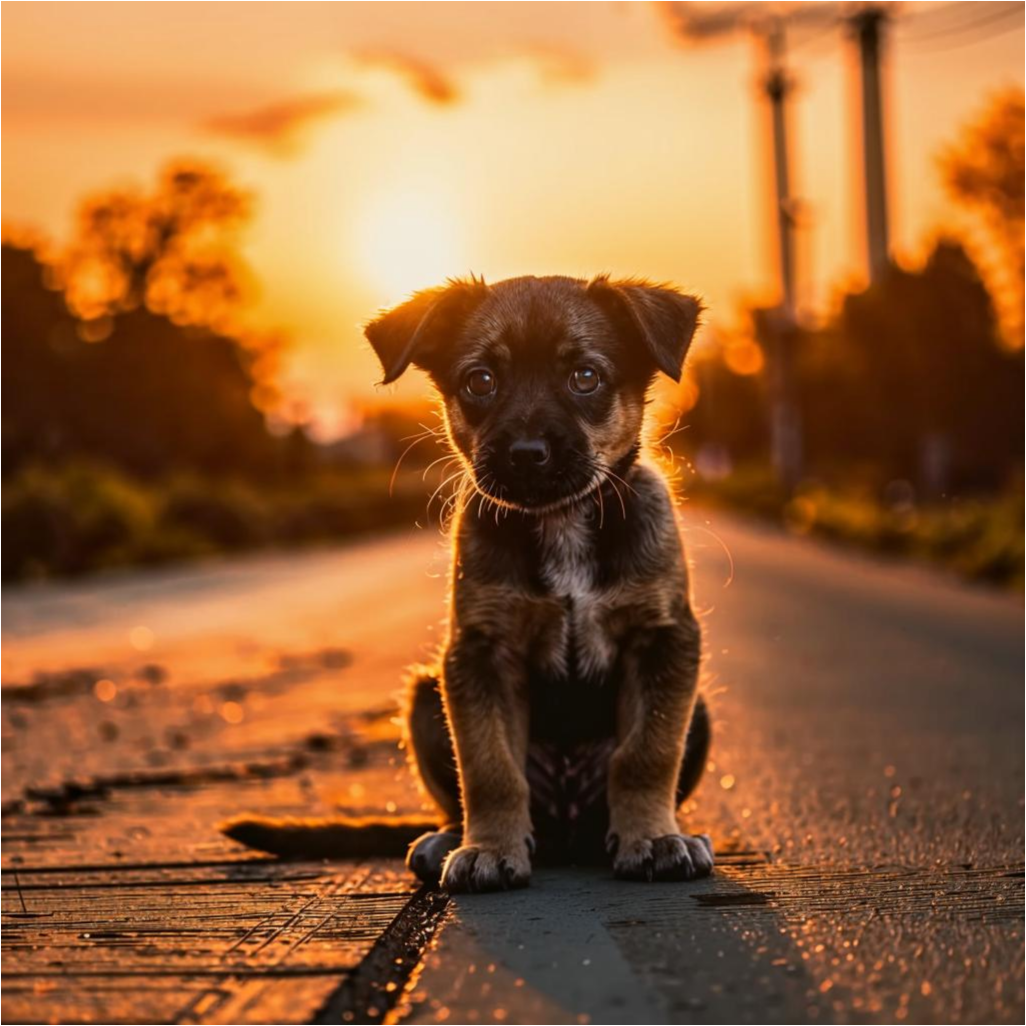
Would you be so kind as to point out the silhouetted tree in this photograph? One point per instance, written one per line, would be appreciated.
(911, 382)
(172, 250)
(134, 365)
(150, 397)
(985, 171)
(40, 353)
(730, 415)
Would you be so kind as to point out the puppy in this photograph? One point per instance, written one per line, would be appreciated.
(564, 718)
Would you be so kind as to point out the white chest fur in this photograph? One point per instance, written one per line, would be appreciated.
(566, 546)
(567, 558)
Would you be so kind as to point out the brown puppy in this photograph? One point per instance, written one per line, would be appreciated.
(569, 675)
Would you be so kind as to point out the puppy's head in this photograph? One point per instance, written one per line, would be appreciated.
(543, 379)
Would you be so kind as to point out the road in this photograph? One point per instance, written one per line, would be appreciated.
(865, 793)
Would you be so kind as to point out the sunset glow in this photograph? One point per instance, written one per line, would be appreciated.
(405, 240)
(386, 154)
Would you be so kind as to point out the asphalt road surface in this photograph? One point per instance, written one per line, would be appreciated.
(865, 789)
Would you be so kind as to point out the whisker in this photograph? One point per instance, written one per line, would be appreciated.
(454, 502)
(451, 507)
(417, 439)
(610, 473)
(434, 463)
(487, 501)
(426, 432)
(451, 477)
(675, 430)
(500, 509)
(723, 545)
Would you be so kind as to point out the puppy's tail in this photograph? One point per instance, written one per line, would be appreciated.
(335, 838)
(696, 750)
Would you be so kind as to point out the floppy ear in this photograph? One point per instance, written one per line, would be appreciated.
(664, 318)
(415, 330)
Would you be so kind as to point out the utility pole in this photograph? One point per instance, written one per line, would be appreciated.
(780, 326)
(778, 86)
(777, 328)
(867, 25)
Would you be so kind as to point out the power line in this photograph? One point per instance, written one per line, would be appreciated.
(961, 42)
(938, 15)
(928, 12)
(813, 42)
(957, 32)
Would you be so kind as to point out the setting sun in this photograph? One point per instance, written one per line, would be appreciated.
(407, 240)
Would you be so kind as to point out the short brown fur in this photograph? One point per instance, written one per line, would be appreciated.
(569, 673)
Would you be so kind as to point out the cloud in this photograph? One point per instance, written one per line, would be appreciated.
(279, 127)
(555, 65)
(704, 20)
(426, 80)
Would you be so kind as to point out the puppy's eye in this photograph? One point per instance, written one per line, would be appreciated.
(480, 382)
(584, 380)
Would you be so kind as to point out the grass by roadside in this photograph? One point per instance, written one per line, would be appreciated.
(83, 518)
(980, 538)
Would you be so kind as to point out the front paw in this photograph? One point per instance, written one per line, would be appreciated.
(486, 867)
(670, 857)
(427, 854)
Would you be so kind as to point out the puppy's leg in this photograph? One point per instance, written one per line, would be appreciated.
(432, 757)
(487, 710)
(655, 706)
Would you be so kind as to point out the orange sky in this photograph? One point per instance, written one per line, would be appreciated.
(394, 144)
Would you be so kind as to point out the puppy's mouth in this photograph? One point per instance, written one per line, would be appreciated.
(535, 503)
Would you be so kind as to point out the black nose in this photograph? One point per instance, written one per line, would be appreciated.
(526, 453)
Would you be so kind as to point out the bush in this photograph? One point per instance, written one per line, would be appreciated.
(82, 518)
(71, 521)
(980, 538)
(229, 516)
